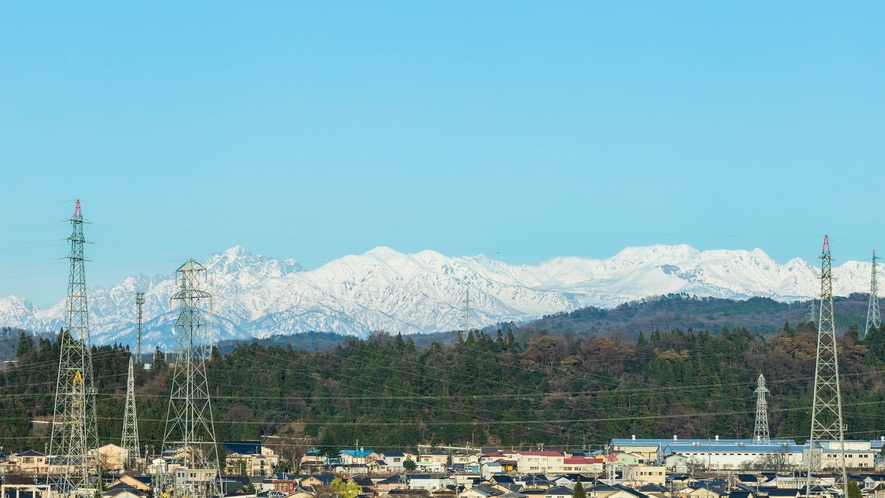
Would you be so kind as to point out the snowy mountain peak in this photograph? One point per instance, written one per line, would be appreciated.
(656, 254)
(384, 289)
(237, 259)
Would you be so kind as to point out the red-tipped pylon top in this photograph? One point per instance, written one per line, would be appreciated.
(77, 211)
(826, 244)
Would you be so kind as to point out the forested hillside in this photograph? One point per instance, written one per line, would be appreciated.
(758, 314)
(560, 391)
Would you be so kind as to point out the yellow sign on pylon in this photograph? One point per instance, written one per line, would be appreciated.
(78, 379)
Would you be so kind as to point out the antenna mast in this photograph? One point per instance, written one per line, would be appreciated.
(826, 409)
(139, 313)
(130, 423)
(74, 429)
(760, 434)
(190, 429)
(873, 319)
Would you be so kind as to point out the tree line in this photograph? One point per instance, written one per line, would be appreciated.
(483, 389)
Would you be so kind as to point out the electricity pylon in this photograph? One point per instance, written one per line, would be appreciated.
(760, 433)
(873, 319)
(139, 309)
(74, 430)
(130, 443)
(190, 431)
(467, 312)
(826, 408)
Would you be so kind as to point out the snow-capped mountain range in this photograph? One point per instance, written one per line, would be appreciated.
(259, 296)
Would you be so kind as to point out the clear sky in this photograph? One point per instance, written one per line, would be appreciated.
(520, 130)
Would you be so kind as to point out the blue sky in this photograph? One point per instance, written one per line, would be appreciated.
(520, 130)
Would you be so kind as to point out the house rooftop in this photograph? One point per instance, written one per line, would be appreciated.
(242, 447)
(30, 453)
(358, 453)
(559, 490)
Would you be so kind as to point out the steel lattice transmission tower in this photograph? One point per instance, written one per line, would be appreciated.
(139, 314)
(826, 408)
(760, 433)
(873, 319)
(190, 430)
(74, 432)
(130, 422)
(466, 312)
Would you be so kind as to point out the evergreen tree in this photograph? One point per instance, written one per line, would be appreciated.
(854, 333)
(25, 345)
(579, 490)
(329, 445)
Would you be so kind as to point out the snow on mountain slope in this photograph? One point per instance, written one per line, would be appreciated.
(258, 296)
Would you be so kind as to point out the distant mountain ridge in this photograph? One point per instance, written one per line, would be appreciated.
(261, 296)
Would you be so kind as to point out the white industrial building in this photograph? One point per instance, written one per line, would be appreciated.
(736, 454)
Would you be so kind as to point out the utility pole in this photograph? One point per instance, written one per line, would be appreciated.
(139, 309)
(873, 319)
(826, 408)
(190, 427)
(760, 433)
(74, 430)
(130, 423)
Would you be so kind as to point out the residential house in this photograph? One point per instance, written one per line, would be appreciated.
(283, 482)
(558, 492)
(112, 458)
(433, 462)
(704, 492)
(428, 482)
(567, 480)
(446, 492)
(124, 492)
(249, 458)
(409, 493)
(360, 456)
(607, 491)
(640, 475)
(137, 482)
(783, 492)
(489, 469)
(315, 481)
(622, 458)
(394, 461)
(466, 461)
(479, 492)
(873, 481)
(436, 457)
(29, 462)
(741, 494)
(539, 461)
(654, 491)
(533, 493)
(493, 456)
(391, 483)
(299, 494)
(355, 468)
(583, 465)
(312, 461)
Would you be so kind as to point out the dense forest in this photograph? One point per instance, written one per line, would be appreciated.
(500, 388)
(758, 314)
